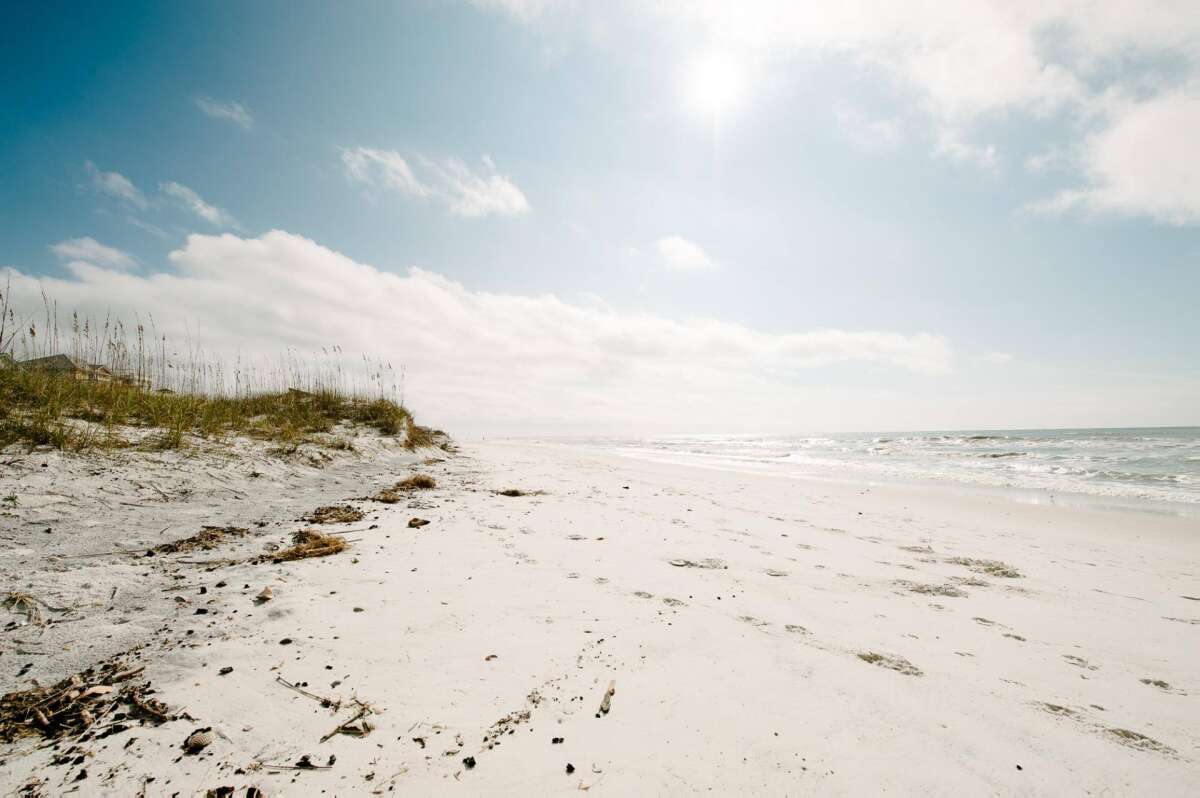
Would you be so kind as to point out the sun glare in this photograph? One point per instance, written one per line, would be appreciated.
(714, 83)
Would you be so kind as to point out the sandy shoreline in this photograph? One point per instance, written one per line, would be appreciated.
(740, 669)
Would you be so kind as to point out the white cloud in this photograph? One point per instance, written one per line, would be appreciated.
(973, 63)
(998, 358)
(232, 111)
(148, 227)
(196, 204)
(89, 250)
(866, 132)
(1145, 163)
(383, 168)
(951, 144)
(450, 181)
(683, 255)
(116, 185)
(474, 357)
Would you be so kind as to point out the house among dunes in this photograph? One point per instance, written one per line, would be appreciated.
(65, 364)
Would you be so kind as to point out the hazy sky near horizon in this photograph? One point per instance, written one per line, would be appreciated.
(671, 216)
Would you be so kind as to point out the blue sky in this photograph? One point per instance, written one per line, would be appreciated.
(980, 216)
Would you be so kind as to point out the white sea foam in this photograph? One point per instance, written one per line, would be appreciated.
(1159, 464)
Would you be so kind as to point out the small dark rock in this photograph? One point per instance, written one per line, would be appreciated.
(287, 641)
(469, 762)
(227, 669)
(556, 740)
(570, 768)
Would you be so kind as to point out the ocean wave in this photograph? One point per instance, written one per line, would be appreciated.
(1160, 465)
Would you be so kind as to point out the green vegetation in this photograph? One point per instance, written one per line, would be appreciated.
(59, 410)
(97, 381)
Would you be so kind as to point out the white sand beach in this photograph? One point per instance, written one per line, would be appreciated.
(762, 635)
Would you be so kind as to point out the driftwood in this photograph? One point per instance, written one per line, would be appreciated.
(606, 702)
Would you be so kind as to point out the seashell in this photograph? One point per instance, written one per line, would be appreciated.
(266, 594)
(198, 740)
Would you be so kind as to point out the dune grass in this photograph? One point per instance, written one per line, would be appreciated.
(176, 392)
(44, 408)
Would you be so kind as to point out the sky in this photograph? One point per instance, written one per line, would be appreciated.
(629, 217)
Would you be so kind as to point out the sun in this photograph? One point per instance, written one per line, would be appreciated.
(714, 83)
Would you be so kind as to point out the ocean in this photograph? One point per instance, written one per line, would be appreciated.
(1157, 464)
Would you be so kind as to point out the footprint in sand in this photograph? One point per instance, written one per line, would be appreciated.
(898, 664)
(1161, 685)
(931, 590)
(1136, 740)
(1080, 662)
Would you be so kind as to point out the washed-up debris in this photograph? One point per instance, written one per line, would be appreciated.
(606, 702)
(710, 563)
(335, 514)
(775, 572)
(264, 595)
(328, 703)
(514, 492)
(308, 543)
(29, 605)
(416, 523)
(232, 792)
(417, 482)
(198, 740)
(77, 703)
(398, 491)
(490, 657)
(208, 538)
(357, 726)
(303, 763)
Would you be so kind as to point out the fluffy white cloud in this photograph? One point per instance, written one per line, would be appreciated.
(972, 63)
(232, 111)
(683, 255)
(1145, 163)
(450, 181)
(196, 204)
(476, 358)
(89, 250)
(116, 185)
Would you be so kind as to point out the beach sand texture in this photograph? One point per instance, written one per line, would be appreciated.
(623, 628)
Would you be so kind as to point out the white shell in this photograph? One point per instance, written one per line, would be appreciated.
(198, 740)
